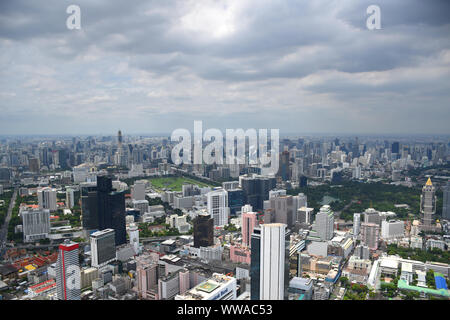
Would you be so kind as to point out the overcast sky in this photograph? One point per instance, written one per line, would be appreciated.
(153, 66)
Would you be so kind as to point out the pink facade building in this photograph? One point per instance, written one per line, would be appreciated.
(184, 281)
(147, 277)
(249, 222)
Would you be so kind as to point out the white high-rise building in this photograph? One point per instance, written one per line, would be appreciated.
(47, 199)
(36, 224)
(356, 224)
(324, 224)
(68, 278)
(392, 229)
(218, 206)
(70, 200)
(133, 235)
(103, 247)
(138, 191)
(272, 261)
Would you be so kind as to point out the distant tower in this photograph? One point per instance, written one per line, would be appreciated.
(119, 156)
(428, 205)
(119, 138)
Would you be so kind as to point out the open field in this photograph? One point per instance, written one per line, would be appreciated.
(174, 183)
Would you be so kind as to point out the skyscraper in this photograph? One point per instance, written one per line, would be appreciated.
(218, 206)
(446, 204)
(272, 262)
(370, 235)
(203, 231)
(103, 248)
(104, 208)
(428, 205)
(249, 222)
(47, 199)
(68, 280)
(323, 226)
(36, 224)
(282, 210)
(70, 201)
(284, 166)
(256, 190)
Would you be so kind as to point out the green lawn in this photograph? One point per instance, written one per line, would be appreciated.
(174, 183)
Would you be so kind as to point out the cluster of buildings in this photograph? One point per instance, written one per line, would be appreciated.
(252, 238)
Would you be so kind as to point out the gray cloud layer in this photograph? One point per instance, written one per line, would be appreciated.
(152, 66)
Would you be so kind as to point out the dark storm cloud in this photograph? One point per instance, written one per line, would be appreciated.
(232, 57)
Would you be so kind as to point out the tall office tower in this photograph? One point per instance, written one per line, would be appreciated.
(255, 264)
(104, 208)
(89, 207)
(249, 222)
(111, 209)
(103, 247)
(133, 235)
(283, 171)
(256, 190)
(324, 224)
(138, 191)
(36, 224)
(47, 199)
(446, 204)
(428, 205)
(370, 235)
(119, 139)
(274, 276)
(218, 206)
(68, 279)
(70, 198)
(203, 231)
(356, 224)
(282, 210)
(235, 200)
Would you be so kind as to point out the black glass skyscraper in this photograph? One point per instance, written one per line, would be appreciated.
(104, 208)
(256, 190)
(203, 231)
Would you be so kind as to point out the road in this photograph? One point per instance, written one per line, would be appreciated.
(4, 229)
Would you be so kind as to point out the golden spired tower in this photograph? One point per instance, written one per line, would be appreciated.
(428, 206)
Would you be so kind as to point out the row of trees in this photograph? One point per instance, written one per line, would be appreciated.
(380, 196)
(435, 254)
